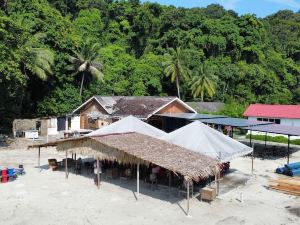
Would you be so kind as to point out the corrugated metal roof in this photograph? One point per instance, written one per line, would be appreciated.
(273, 111)
(190, 116)
(235, 122)
(276, 129)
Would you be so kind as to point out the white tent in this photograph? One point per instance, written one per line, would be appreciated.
(201, 138)
(126, 125)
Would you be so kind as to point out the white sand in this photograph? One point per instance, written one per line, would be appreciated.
(46, 197)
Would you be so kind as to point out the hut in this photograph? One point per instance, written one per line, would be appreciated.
(140, 149)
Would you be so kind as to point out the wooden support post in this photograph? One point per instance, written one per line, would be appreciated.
(288, 151)
(66, 165)
(218, 182)
(75, 164)
(98, 173)
(170, 174)
(39, 160)
(188, 198)
(138, 179)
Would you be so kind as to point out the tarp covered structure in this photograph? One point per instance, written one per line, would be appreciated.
(127, 125)
(203, 139)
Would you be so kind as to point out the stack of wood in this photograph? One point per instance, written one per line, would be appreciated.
(286, 185)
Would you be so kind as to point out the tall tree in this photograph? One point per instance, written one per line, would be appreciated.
(175, 67)
(86, 62)
(202, 82)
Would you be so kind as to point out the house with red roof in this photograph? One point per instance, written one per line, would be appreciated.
(280, 114)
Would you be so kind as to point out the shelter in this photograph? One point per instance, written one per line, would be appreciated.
(135, 148)
(127, 125)
(233, 122)
(199, 137)
(276, 129)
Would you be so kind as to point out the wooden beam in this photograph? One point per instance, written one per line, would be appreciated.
(188, 198)
(170, 174)
(98, 173)
(66, 164)
(138, 179)
(75, 164)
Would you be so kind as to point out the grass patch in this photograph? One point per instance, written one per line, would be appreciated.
(278, 139)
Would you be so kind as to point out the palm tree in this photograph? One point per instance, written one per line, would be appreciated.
(85, 62)
(175, 66)
(38, 60)
(203, 82)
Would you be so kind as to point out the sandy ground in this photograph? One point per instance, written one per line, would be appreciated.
(46, 197)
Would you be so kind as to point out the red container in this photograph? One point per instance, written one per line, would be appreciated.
(4, 179)
(4, 172)
(4, 175)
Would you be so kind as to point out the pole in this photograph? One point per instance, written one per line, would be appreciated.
(188, 197)
(250, 137)
(252, 160)
(66, 165)
(138, 179)
(75, 164)
(231, 132)
(265, 139)
(98, 173)
(39, 160)
(169, 182)
(288, 151)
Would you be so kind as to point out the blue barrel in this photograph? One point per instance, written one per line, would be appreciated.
(10, 172)
(293, 165)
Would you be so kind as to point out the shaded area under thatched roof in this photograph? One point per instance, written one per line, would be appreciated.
(138, 148)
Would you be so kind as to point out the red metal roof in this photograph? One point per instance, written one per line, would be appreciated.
(273, 111)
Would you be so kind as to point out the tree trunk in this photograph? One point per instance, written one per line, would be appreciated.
(81, 86)
(177, 84)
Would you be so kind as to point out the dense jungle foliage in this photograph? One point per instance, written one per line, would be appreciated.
(125, 48)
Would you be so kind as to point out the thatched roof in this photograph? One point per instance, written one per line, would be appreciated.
(139, 148)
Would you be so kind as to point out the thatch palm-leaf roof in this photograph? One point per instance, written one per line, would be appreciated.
(139, 148)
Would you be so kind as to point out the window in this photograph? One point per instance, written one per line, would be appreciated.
(272, 120)
(277, 121)
(266, 119)
(259, 119)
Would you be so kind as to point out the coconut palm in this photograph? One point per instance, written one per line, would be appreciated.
(85, 62)
(40, 61)
(202, 82)
(175, 67)
(37, 59)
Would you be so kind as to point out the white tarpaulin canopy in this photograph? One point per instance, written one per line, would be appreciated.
(127, 125)
(201, 138)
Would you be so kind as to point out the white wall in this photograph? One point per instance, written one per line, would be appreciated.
(288, 122)
(75, 123)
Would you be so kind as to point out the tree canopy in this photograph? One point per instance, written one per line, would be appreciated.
(253, 59)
